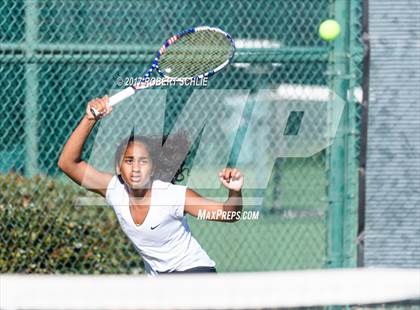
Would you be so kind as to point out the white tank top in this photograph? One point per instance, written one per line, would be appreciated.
(164, 239)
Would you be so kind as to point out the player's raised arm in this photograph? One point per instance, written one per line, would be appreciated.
(228, 211)
(70, 161)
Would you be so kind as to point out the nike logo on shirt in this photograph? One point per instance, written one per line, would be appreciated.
(153, 227)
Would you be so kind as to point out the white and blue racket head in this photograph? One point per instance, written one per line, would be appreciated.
(192, 54)
(195, 53)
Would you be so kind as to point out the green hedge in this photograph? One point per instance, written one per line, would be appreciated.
(44, 231)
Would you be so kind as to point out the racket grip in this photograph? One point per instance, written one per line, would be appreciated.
(95, 112)
(120, 96)
(113, 100)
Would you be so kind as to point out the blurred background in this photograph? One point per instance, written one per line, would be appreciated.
(317, 211)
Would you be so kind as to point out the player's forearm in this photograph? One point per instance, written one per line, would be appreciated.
(234, 202)
(73, 148)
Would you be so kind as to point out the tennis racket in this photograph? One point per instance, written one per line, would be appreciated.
(193, 54)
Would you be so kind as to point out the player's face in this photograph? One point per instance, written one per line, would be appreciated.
(136, 165)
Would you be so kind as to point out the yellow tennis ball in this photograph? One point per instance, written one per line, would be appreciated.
(329, 30)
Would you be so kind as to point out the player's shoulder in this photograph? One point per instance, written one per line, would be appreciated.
(159, 184)
(114, 185)
(115, 181)
(168, 191)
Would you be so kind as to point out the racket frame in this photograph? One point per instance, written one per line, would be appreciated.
(143, 84)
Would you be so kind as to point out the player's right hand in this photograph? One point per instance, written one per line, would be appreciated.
(100, 105)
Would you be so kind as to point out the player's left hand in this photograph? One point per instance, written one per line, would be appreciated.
(231, 178)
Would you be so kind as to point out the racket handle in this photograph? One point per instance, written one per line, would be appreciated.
(120, 96)
(95, 112)
(113, 100)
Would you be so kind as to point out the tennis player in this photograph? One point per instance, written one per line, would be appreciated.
(151, 211)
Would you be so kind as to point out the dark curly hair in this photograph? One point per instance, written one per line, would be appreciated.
(169, 162)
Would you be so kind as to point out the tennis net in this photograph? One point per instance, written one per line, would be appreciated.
(263, 290)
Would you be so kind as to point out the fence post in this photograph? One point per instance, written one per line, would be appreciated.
(351, 203)
(31, 89)
(338, 68)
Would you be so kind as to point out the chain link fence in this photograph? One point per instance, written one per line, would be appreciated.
(56, 55)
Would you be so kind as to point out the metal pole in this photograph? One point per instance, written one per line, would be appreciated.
(337, 152)
(355, 52)
(363, 136)
(31, 91)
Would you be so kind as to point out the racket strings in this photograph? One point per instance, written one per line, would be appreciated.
(195, 54)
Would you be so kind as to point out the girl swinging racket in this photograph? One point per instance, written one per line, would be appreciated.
(150, 209)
